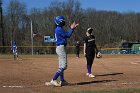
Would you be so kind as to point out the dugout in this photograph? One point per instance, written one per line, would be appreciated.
(135, 48)
(130, 48)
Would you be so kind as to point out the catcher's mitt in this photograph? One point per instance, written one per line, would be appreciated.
(98, 55)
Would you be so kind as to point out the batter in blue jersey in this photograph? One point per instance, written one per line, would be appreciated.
(61, 43)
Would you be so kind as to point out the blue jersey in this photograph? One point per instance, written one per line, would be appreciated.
(14, 47)
(61, 36)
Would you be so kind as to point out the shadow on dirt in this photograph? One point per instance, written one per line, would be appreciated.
(90, 82)
(95, 82)
(111, 74)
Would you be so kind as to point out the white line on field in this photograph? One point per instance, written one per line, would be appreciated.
(135, 63)
(107, 84)
(12, 86)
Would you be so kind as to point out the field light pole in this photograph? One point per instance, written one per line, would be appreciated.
(32, 34)
(32, 40)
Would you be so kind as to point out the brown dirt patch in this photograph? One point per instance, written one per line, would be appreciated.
(28, 74)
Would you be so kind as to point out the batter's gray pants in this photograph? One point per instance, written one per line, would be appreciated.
(62, 56)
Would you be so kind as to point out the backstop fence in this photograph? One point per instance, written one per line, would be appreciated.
(43, 50)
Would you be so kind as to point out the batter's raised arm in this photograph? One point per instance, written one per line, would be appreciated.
(69, 33)
(74, 25)
(66, 34)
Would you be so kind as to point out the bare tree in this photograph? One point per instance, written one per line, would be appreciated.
(15, 12)
(108, 26)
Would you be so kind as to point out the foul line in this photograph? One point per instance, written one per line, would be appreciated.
(134, 63)
(107, 84)
(12, 86)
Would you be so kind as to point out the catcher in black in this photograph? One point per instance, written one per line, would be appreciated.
(90, 50)
(77, 49)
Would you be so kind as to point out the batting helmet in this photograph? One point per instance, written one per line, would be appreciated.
(59, 20)
(14, 43)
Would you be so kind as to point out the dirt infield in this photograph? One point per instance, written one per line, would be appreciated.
(29, 73)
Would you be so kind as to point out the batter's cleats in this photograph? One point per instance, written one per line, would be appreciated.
(87, 74)
(53, 83)
(90, 75)
(63, 83)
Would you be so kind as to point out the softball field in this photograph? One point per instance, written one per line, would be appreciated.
(29, 73)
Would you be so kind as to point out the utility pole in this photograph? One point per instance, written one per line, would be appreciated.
(1, 28)
(32, 34)
(32, 40)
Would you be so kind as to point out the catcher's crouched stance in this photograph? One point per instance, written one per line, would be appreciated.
(61, 43)
(90, 50)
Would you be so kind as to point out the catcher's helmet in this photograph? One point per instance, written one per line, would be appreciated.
(59, 20)
(89, 30)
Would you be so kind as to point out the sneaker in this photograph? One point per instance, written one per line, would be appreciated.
(63, 83)
(87, 74)
(91, 75)
(53, 83)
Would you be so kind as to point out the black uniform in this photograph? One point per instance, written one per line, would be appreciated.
(91, 49)
(77, 49)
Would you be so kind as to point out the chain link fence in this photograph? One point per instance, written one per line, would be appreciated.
(43, 50)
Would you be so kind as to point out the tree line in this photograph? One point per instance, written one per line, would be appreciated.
(110, 27)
